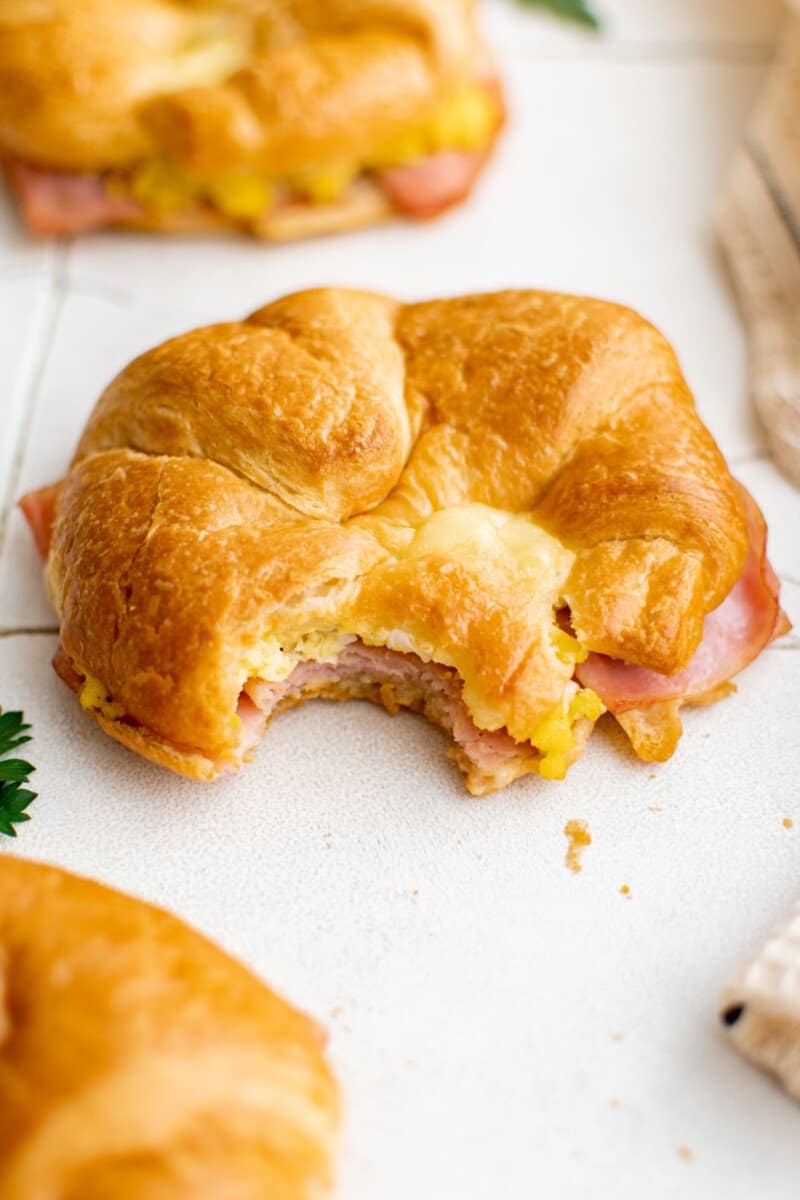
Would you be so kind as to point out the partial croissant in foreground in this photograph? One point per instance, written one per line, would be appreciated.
(502, 511)
(761, 1006)
(139, 1062)
(282, 118)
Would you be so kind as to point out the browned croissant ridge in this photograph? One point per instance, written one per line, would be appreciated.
(280, 117)
(139, 1062)
(446, 506)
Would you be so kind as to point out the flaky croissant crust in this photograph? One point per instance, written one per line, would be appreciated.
(218, 85)
(139, 1062)
(449, 474)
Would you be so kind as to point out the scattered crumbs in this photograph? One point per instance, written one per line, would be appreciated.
(625, 891)
(788, 823)
(613, 1103)
(579, 838)
(617, 1037)
(654, 808)
(652, 775)
(336, 1012)
(414, 895)
(685, 1152)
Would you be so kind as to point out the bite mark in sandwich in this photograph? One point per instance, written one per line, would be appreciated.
(500, 511)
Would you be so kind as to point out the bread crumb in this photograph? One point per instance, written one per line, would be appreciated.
(685, 1152)
(788, 823)
(336, 1011)
(617, 1037)
(625, 891)
(414, 894)
(654, 808)
(652, 775)
(613, 1103)
(579, 838)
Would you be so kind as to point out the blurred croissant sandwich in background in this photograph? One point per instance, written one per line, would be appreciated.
(502, 511)
(139, 1062)
(280, 117)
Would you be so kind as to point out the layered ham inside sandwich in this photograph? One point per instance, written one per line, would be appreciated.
(466, 508)
(278, 119)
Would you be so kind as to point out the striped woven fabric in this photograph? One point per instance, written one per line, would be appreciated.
(761, 1006)
(759, 222)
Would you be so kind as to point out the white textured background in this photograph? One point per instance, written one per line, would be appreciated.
(503, 1030)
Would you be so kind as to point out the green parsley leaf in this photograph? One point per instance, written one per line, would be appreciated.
(571, 10)
(14, 772)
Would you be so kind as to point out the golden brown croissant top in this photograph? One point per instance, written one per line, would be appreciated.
(139, 1062)
(494, 485)
(286, 85)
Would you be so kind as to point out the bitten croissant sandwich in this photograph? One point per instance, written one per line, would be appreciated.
(502, 511)
(279, 117)
(139, 1062)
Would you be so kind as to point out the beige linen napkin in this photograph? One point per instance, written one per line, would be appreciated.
(761, 1006)
(759, 222)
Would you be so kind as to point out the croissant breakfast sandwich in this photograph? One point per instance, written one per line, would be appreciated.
(283, 118)
(502, 511)
(139, 1062)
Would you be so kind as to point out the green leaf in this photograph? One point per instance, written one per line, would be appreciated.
(11, 724)
(20, 741)
(571, 10)
(14, 772)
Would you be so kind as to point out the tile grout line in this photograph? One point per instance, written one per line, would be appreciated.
(53, 305)
(30, 631)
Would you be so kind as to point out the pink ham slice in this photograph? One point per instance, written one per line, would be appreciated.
(61, 202)
(425, 189)
(733, 635)
(39, 509)
(396, 680)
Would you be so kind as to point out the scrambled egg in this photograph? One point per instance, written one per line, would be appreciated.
(94, 696)
(275, 658)
(465, 121)
(478, 530)
(555, 738)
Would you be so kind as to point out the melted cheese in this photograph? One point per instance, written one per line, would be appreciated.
(470, 531)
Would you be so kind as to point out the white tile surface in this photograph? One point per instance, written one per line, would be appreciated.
(26, 309)
(19, 257)
(481, 985)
